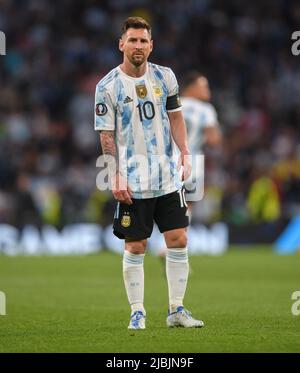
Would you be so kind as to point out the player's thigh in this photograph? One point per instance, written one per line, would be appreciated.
(134, 221)
(171, 212)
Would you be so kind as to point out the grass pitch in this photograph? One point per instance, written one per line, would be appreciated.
(78, 304)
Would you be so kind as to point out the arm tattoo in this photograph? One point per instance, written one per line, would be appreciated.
(108, 144)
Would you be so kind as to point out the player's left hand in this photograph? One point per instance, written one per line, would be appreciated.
(121, 190)
(185, 162)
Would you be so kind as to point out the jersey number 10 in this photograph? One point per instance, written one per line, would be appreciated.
(146, 110)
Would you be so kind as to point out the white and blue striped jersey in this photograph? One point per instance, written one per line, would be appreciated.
(198, 115)
(136, 109)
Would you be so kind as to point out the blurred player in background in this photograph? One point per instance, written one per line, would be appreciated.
(202, 128)
(201, 121)
(138, 113)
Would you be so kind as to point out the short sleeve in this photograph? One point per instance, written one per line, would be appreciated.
(173, 100)
(104, 110)
(172, 84)
(211, 119)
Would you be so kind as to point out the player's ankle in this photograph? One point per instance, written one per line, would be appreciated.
(138, 307)
(173, 307)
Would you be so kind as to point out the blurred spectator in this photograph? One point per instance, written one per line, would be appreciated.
(56, 53)
(263, 200)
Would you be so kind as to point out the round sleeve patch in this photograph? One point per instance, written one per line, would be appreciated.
(101, 109)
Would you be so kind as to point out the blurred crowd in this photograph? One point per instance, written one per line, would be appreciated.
(56, 54)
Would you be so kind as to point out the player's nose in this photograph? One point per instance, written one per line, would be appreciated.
(138, 45)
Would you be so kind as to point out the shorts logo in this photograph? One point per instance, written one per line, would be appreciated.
(157, 91)
(141, 90)
(126, 221)
(101, 109)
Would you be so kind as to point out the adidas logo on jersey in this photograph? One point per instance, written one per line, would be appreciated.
(127, 100)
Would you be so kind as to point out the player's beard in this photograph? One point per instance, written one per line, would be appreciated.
(138, 61)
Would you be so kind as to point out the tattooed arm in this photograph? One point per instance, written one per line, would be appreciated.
(108, 144)
(120, 189)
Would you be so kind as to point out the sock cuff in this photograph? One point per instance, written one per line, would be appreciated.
(177, 255)
(133, 259)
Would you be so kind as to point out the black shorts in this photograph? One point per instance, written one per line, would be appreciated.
(136, 220)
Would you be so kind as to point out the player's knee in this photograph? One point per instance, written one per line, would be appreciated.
(136, 247)
(178, 240)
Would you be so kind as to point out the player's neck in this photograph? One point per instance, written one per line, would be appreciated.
(134, 71)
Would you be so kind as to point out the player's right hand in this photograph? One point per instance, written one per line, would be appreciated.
(121, 191)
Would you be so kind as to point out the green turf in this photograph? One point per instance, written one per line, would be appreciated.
(78, 304)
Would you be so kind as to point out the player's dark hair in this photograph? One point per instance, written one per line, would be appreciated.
(190, 78)
(137, 23)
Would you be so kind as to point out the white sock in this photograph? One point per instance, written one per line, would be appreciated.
(133, 274)
(177, 269)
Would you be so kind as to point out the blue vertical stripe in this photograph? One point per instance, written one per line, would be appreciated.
(127, 133)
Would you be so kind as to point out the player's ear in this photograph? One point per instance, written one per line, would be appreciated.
(121, 44)
(151, 45)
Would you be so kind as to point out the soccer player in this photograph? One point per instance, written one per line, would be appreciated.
(138, 114)
(201, 121)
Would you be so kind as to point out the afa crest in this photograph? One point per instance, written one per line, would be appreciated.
(141, 90)
(157, 91)
(126, 221)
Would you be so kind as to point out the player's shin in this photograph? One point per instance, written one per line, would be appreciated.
(177, 270)
(133, 274)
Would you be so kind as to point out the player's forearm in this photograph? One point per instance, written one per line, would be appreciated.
(119, 186)
(180, 137)
(109, 149)
(178, 130)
